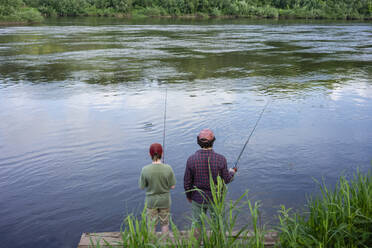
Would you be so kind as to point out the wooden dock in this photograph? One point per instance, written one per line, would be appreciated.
(114, 238)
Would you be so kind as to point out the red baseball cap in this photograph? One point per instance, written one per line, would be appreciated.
(156, 149)
(206, 134)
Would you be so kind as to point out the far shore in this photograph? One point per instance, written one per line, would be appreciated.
(196, 16)
(12, 23)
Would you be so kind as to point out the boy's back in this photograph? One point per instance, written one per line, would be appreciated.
(157, 179)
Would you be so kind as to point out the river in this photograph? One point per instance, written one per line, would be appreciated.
(81, 100)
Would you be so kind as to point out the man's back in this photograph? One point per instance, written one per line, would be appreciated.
(198, 167)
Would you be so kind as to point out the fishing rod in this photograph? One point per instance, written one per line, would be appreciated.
(250, 135)
(165, 117)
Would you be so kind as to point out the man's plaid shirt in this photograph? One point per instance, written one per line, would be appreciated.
(197, 173)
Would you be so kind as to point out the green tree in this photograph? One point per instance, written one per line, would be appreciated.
(9, 7)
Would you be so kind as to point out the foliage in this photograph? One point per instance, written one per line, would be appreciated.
(339, 218)
(16, 11)
(216, 229)
(221, 220)
(9, 7)
(30, 15)
(149, 11)
(334, 9)
(61, 7)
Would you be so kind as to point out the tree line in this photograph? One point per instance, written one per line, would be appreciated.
(322, 9)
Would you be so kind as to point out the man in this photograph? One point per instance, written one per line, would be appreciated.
(197, 174)
(158, 178)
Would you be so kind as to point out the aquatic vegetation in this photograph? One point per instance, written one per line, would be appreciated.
(339, 218)
(219, 229)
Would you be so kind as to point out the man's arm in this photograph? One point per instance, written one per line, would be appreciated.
(227, 175)
(188, 180)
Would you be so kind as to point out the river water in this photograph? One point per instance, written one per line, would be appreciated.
(81, 100)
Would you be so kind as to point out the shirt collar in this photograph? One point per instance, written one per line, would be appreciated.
(205, 151)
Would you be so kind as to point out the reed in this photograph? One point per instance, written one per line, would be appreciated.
(341, 217)
(218, 229)
(338, 218)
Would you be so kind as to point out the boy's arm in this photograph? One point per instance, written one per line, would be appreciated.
(142, 181)
(172, 181)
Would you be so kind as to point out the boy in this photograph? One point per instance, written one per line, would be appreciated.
(158, 178)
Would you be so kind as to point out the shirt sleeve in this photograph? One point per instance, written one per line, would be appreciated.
(172, 178)
(142, 183)
(188, 179)
(227, 176)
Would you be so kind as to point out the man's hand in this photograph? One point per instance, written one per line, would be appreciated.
(189, 200)
(233, 170)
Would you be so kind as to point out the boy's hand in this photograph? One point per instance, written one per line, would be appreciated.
(233, 170)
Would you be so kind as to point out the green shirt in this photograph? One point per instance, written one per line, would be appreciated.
(157, 179)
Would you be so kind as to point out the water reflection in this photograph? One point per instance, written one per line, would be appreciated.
(284, 56)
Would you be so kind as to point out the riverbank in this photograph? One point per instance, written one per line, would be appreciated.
(8, 22)
(338, 218)
(89, 240)
(28, 11)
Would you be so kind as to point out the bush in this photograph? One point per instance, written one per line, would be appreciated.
(61, 7)
(10, 7)
(269, 12)
(47, 11)
(15, 11)
(215, 12)
(235, 9)
(123, 6)
(341, 9)
(150, 11)
(339, 218)
(30, 15)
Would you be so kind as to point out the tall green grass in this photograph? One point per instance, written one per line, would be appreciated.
(218, 229)
(338, 218)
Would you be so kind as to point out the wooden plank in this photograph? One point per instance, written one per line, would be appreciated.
(114, 238)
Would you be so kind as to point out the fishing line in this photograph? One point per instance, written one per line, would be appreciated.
(165, 117)
(250, 135)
